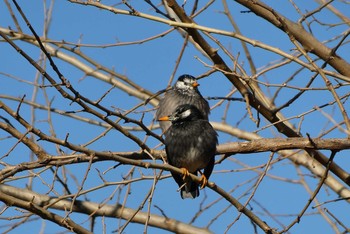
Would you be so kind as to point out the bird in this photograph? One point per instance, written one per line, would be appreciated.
(184, 91)
(190, 144)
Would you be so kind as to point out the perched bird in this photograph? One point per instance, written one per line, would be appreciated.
(190, 144)
(184, 91)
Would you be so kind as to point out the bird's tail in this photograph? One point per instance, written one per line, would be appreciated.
(189, 190)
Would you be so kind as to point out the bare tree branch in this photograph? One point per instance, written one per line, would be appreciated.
(79, 145)
(25, 198)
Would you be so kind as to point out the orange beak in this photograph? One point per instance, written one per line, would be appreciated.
(195, 84)
(165, 118)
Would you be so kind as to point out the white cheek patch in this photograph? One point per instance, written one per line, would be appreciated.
(184, 85)
(180, 85)
(186, 113)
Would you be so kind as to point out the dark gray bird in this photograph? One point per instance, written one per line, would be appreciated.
(190, 144)
(184, 91)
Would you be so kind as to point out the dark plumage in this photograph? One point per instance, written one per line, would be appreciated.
(190, 144)
(184, 91)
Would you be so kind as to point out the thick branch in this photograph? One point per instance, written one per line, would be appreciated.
(33, 207)
(309, 42)
(114, 211)
(276, 144)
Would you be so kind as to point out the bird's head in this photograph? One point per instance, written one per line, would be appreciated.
(183, 113)
(186, 84)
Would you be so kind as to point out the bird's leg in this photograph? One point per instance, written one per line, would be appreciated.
(184, 172)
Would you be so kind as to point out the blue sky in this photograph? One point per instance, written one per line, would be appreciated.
(150, 65)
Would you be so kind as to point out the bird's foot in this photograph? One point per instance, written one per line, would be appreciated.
(185, 173)
(203, 181)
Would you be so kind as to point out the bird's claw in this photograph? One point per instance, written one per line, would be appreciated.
(203, 181)
(185, 173)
